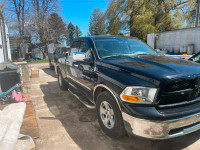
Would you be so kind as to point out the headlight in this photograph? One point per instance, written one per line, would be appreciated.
(143, 95)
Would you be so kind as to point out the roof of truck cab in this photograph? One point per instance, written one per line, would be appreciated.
(104, 37)
(108, 36)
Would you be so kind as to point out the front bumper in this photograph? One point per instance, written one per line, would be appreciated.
(161, 129)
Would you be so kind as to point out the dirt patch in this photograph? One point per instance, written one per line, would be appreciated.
(88, 116)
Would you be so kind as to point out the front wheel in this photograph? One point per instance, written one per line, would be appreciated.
(61, 82)
(109, 116)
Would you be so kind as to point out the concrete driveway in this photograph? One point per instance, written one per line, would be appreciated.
(65, 124)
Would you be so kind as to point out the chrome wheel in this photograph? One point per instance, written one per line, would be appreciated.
(107, 114)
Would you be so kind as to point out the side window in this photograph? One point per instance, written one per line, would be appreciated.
(75, 47)
(84, 47)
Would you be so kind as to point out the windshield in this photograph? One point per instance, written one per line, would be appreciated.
(115, 47)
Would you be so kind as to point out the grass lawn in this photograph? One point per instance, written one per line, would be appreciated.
(38, 61)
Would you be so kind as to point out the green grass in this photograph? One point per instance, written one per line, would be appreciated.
(38, 61)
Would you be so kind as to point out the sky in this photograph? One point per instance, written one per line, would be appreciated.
(79, 11)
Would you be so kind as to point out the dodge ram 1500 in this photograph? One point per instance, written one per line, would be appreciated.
(133, 89)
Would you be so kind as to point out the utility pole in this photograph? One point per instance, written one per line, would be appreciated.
(197, 13)
(3, 36)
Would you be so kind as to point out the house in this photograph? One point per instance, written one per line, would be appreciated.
(39, 47)
(5, 53)
(16, 44)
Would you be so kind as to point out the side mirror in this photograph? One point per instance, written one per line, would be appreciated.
(78, 56)
(157, 50)
(88, 60)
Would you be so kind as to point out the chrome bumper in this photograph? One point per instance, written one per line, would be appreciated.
(161, 129)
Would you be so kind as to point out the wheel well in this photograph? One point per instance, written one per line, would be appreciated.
(98, 91)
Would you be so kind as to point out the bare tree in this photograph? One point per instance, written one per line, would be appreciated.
(41, 9)
(19, 11)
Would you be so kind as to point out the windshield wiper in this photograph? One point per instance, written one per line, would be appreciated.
(143, 54)
(114, 56)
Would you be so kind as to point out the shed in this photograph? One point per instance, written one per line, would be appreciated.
(175, 39)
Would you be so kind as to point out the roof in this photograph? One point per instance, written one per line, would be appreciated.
(178, 30)
(106, 37)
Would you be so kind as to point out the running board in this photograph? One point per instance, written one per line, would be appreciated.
(83, 100)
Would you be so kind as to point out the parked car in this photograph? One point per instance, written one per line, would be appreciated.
(133, 89)
(58, 53)
(195, 58)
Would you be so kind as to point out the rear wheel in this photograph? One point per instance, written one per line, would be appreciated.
(109, 116)
(63, 85)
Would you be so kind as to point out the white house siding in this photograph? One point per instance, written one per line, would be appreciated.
(176, 39)
(151, 40)
(1, 49)
(8, 46)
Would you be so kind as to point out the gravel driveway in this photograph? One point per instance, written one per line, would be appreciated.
(65, 124)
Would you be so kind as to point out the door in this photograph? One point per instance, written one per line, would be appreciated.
(59, 53)
(69, 68)
(82, 71)
(86, 67)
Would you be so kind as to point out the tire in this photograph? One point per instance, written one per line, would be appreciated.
(50, 65)
(63, 85)
(117, 129)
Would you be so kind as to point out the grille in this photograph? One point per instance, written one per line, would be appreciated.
(180, 93)
(197, 81)
(177, 86)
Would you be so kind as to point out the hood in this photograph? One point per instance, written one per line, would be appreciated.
(154, 66)
(8, 67)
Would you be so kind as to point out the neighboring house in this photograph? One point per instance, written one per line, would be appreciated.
(15, 44)
(4, 53)
(63, 41)
(39, 47)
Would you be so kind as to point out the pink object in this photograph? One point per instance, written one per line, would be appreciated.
(29, 66)
(17, 96)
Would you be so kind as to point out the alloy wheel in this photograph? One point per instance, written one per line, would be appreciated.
(107, 115)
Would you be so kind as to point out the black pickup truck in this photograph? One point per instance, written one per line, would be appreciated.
(132, 88)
